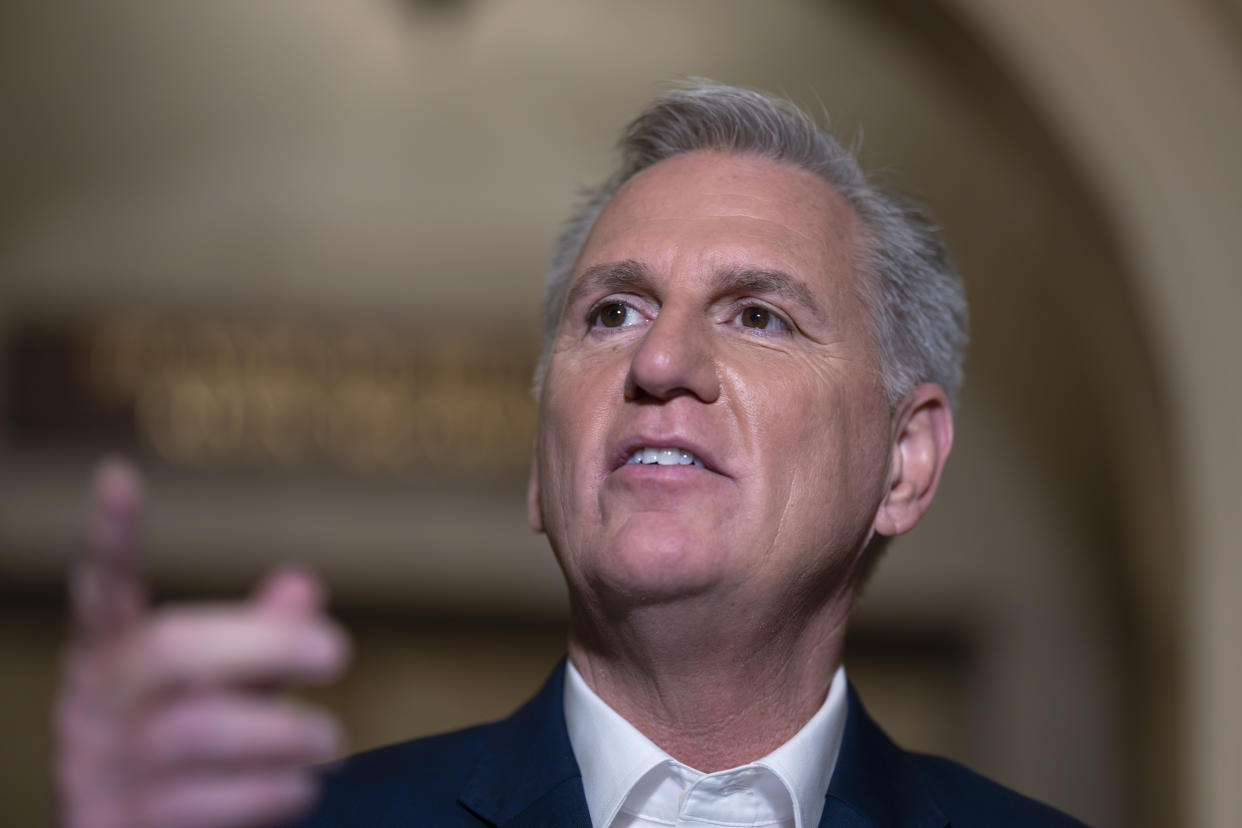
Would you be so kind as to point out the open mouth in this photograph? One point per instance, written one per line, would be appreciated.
(663, 456)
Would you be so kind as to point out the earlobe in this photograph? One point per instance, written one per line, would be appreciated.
(922, 441)
(534, 514)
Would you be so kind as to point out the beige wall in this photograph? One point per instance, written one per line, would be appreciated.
(1147, 99)
(406, 165)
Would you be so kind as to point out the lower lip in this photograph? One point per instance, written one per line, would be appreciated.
(652, 486)
(654, 471)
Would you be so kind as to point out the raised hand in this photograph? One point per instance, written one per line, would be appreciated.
(172, 717)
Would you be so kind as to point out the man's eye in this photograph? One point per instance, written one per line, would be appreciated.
(614, 315)
(762, 318)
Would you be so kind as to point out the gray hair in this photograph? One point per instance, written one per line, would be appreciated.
(912, 291)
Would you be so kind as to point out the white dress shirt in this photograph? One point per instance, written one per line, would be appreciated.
(631, 783)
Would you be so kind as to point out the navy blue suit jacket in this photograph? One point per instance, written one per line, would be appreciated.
(521, 771)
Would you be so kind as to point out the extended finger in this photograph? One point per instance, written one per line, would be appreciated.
(105, 584)
(210, 646)
(220, 729)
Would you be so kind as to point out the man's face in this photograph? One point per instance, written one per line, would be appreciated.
(713, 321)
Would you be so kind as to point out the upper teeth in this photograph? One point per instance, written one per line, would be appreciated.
(664, 457)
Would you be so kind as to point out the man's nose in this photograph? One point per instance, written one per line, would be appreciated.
(674, 357)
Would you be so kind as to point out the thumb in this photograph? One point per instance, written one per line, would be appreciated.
(105, 583)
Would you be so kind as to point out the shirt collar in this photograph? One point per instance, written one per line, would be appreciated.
(613, 755)
(805, 763)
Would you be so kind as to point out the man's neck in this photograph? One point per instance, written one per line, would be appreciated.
(714, 690)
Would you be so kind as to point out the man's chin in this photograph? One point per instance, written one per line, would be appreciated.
(660, 567)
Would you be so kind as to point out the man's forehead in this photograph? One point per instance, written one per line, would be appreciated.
(734, 212)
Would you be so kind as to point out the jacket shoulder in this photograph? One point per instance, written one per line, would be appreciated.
(419, 778)
(519, 771)
(971, 800)
(888, 786)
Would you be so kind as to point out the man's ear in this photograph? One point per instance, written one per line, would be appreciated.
(534, 515)
(922, 440)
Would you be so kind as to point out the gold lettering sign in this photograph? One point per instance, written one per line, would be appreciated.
(209, 394)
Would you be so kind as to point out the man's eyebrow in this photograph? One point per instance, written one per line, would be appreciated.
(759, 281)
(626, 276)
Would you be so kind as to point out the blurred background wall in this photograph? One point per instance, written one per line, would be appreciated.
(288, 256)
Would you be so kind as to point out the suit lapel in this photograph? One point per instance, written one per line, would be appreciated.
(873, 784)
(527, 774)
